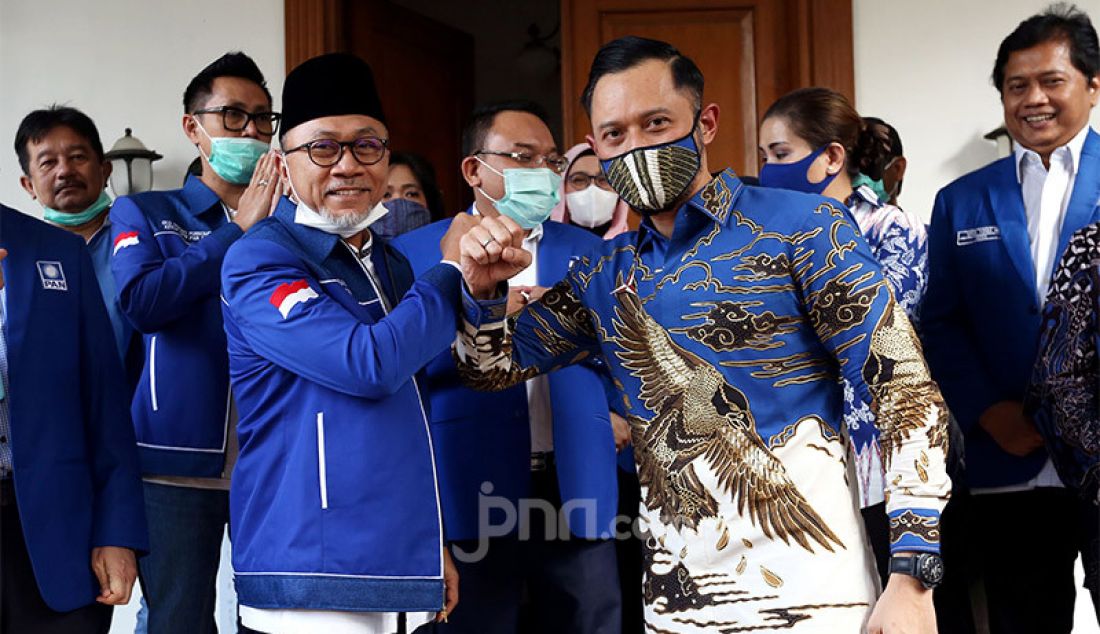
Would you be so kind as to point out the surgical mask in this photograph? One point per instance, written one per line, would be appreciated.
(794, 175)
(651, 179)
(530, 194)
(81, 217)
(591, 207)
(305, 216)
(876, 186)
(233, 158)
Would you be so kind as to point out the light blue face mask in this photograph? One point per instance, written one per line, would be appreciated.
(530, 194)
(81, 217)
(233, 158)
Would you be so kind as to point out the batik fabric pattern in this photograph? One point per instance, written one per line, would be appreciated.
(899, 241)
(1062, 399)
(727, 343)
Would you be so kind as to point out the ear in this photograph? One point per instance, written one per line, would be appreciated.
(25, 181)
(470, 171)
(190, 128)
(899, 167)
(108, 167)
(835, 157)
(591, 141)
(284, 170)
(708, 122)
(1093, 87)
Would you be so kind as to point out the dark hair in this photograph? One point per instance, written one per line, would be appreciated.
(235, 64)
(627, 52)
(424, 173)
(888, 137)
(36, 125)
(1060, 21)
(482, 118)
(821, 116)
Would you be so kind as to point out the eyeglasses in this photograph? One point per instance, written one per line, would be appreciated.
(580, 180)
(526, 159)
(236, 120)
(367, 150)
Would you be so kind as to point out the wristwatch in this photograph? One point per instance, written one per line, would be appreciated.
(925, 567)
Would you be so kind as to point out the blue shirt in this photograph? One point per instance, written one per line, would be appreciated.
(899, 241)
(99, 247)
(725, 340)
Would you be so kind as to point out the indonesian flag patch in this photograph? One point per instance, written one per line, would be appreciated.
(125, 239)
(290, 294)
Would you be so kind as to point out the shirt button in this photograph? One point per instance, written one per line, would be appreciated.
(3, 439)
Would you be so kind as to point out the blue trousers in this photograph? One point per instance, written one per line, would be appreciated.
(179, 575)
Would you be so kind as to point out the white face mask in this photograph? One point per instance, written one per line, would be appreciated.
(345, 225)
(591, 207)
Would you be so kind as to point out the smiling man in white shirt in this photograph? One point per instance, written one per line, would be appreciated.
(996, 236)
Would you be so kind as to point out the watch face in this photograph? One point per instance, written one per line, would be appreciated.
(930, 569)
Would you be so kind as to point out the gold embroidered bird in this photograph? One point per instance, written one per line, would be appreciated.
(697, 413)
(904, 395)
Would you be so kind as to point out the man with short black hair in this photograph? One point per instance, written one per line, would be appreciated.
(64, 169)
(995, 237)
(167, 253)
(551, 440)
(726, 320)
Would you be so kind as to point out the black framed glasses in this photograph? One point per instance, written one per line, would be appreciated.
(581, 180)
(526, 159)
(367, 150)
(236, 120)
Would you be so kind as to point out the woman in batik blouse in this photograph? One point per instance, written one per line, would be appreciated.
(813, 140)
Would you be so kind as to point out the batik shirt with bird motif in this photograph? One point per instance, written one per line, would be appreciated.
(726, 343)
(899, 242)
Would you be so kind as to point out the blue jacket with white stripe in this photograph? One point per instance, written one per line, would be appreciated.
(334, 504)
(167, 252)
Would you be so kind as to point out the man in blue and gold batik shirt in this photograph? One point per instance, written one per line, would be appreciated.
(727, 321)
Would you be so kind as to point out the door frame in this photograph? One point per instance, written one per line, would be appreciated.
(821, 30)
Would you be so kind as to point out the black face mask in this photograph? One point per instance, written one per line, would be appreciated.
(652, 179)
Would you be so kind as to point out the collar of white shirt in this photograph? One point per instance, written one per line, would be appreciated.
(1075, 145)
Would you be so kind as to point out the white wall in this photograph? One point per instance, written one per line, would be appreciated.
(125, 63)
(924, 67)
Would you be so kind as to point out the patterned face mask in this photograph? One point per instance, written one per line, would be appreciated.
(651, 179)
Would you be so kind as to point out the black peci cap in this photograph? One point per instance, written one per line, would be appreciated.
(327, 86)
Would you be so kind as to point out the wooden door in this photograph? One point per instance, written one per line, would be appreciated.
(424, 71)
(750, 52)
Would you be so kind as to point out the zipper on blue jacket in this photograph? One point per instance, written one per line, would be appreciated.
(321, 459)
(153, 372)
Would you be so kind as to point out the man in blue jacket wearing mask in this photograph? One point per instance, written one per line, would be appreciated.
(71, 516)
(167, 251)
(334, 503)
(550, 440)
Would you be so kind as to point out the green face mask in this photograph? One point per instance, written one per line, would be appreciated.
(234, 158)
(80, 217)
(876, 186)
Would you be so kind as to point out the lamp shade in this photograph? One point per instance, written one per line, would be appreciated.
(132, 165)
